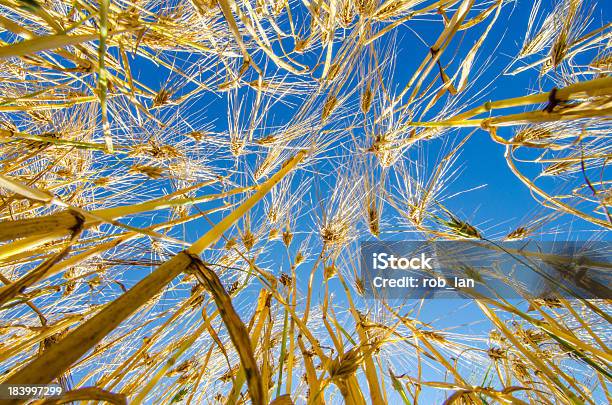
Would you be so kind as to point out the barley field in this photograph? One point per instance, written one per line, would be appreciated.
(185, 186)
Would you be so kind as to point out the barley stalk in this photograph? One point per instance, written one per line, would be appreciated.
(58, 358)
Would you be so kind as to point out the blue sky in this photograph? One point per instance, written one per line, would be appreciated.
(496, 208)
(499, 207)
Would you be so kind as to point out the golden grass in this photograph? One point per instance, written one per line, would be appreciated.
(155, 251)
